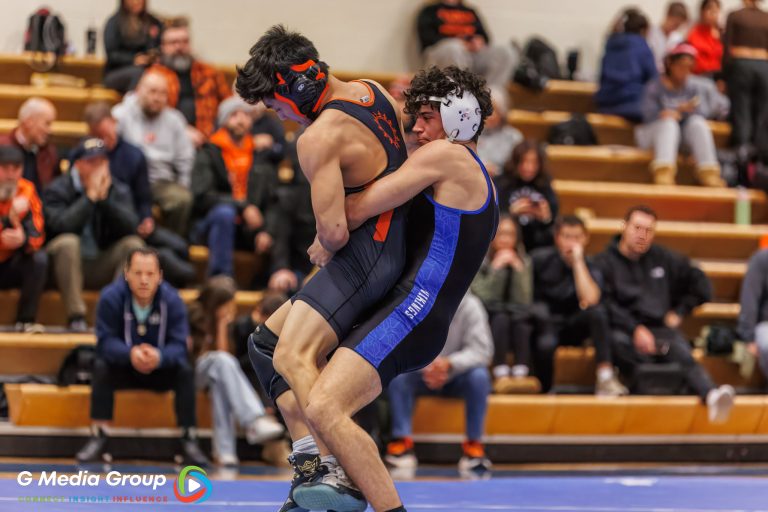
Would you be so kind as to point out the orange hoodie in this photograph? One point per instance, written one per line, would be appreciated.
(32, 221)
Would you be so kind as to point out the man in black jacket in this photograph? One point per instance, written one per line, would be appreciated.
(90, 223)
(566, 291)
(232, 189)
(452, 34)
(648, 289)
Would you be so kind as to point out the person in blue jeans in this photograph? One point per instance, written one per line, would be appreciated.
(232, 183)
(461, 370)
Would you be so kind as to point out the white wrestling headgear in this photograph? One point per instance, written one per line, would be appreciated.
(461, 115)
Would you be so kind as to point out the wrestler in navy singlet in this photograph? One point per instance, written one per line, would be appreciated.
(445, 247)
(368, 266)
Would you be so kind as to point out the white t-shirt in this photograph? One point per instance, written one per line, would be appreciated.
(661, 44)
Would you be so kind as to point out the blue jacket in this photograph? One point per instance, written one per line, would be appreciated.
(628, 64)
(116, 326)
(128, 165)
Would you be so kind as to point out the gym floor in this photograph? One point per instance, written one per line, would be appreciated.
(614, 488)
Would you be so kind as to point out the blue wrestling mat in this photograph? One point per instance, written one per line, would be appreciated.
(121, 491)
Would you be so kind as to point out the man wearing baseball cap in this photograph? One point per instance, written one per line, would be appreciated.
(23, 264)
(91, 223)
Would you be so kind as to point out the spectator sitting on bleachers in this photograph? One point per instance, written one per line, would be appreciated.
(745, 67)
(670, 33)
(706, 37)
(90, 225)
(648, 289)
(33, 137)
(218, 372)
(290, 223)
(525, 191)
(194, 87)
(128, 165)
(145, 120)
(23, 262)
(131, 41)
(672, 117)
(566, 290)
(627, 65)
(461, 370)
(452, 34)
(499, 138)
(141, 343)
(505, 285)
(753, 317)
(232, 189)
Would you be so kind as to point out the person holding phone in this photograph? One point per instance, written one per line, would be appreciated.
(673, 116)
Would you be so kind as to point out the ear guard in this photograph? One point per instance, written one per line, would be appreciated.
(461, 115)
(302, 87)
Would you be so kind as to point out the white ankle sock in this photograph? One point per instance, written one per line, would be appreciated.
(520, 370)
(306, 445)
(604, 374)
(329, 459)
(502, 370)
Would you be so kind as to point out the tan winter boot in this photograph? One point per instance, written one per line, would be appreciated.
(663, 173)
(709, 176)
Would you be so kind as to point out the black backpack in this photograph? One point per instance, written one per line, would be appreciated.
(544, 57)
(575, 132)
(46, 37)
(78, 366)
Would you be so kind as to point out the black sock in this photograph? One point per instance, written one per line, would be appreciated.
(98, 432)
(398, 509)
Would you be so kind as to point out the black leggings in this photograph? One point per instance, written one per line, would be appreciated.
(511, 333)
(747, 81)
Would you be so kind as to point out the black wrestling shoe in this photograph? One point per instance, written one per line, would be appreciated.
(330, 489)
(305, 467)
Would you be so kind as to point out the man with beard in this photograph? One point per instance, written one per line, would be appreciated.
(232, 189)
(194, 88)
(145, 120)
(22, 262)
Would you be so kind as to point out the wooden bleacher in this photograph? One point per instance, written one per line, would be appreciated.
(696, 239)
(70, 102)
(569, 96)
(674, 202)
(609, 129)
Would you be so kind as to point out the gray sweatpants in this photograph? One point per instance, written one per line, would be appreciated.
(665, 137)
(232, 398)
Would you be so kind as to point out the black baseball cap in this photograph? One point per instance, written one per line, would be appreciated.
(90, 147)
(10, 154)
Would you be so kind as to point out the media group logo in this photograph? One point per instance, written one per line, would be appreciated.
(192, 485)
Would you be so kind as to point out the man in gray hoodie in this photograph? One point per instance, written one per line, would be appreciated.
(461, 370)
(753, 318)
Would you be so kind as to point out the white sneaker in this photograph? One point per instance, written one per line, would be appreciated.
(227, 460)
(263, 428)
(610, 387)
(719, 403)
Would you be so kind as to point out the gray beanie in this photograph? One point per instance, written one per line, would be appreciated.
(231, 105)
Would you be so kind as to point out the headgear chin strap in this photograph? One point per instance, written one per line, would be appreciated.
(461, 115)
(302, 87)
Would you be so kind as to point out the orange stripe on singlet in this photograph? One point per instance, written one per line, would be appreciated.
(382, 226)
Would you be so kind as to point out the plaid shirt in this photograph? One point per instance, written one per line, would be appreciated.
(210, 86)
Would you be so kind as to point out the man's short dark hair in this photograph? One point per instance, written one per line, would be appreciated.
(677, 10)
(278, 48)
(642, 209)
(144, 251)
(569, 221)
(439, 82)
(95, 113)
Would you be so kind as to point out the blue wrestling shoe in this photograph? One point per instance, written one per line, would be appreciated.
(305, 468)
(330, 489)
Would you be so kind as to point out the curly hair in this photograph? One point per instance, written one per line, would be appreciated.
(440, 82)
(278, 48)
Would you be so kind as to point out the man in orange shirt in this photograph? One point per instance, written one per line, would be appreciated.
(22, 262)
(232, 189)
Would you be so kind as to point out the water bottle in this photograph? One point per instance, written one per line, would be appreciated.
(743, 207)
(90, 40)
